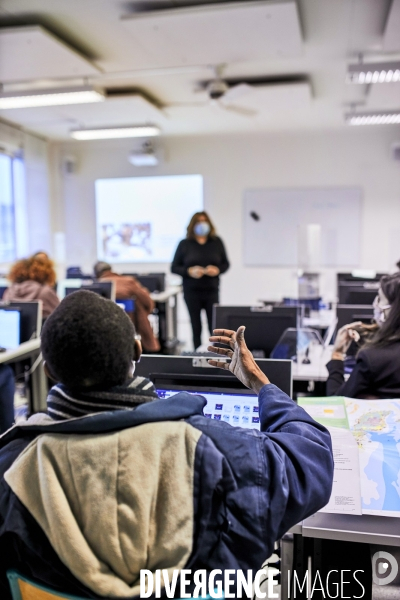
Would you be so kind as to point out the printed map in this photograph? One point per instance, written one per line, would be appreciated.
(375, 425)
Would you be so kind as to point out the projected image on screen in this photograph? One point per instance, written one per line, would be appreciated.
(142, 219)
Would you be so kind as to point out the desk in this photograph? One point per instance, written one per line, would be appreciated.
(167, 310)
(316, 370)
(30, 349)
(328, 541)
(367, 529)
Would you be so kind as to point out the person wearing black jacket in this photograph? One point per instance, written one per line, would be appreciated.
(200, 259)
(377, 370)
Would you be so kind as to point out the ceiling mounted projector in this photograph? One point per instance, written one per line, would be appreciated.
(146, 155)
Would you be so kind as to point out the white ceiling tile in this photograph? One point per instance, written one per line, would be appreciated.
(391, 37)
(28, 53)
(218, 34)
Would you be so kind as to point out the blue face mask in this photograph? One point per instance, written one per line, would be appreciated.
(202, 228)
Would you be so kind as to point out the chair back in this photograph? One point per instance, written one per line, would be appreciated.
(23, 588)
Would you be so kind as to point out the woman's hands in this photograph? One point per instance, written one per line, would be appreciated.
(197, 272)
(344, 337)
(242, 363)
(211, 271)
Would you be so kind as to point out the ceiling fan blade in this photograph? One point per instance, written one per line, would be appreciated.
(237, 91)
(239, 110)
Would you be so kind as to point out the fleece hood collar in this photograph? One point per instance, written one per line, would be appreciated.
(181, 406)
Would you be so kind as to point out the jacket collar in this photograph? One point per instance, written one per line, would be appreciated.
(180, 406)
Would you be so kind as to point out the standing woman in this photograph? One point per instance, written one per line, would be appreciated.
(200, 259)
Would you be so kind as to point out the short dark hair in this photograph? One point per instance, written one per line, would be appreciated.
(101, 267)
(88, 342)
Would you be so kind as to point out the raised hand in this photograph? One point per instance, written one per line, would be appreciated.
(242, 363)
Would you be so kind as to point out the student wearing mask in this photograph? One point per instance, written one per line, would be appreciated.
(33, 279)
(114, 480)
(377, 370)
(200, 259)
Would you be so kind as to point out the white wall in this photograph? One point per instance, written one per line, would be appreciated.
(230, 164)
(37, 180)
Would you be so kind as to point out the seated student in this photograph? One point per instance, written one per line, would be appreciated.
(33, 279)
(377, 370)
(128, 287)
(115, 480)
(7, 388)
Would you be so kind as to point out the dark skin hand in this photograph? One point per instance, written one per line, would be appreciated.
(242, 363)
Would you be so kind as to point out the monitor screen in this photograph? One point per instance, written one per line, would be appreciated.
(142, 219)
(236, 407)
(264, 326)
(9, 328)
(106, 289)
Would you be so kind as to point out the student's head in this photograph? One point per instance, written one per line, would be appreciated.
(100, 268)
(33, 269)
(387, 311)
(88, 342)
(41, 255)
(200, 226)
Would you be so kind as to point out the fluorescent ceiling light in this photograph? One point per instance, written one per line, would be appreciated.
(105, 133)
(386, 72)
(50, 97)
(373, 118)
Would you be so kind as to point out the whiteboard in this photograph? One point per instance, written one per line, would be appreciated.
(302, 227)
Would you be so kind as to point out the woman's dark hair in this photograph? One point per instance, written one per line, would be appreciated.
(190, 229)
(389, 332)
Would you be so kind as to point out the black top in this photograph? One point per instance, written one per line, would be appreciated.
(376, 374)
(190, 253)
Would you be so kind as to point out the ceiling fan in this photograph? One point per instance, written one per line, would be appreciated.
(223, 95)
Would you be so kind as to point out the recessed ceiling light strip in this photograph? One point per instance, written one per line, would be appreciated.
(50, 97)
(104, 133)
(377, 118)
(362, 73)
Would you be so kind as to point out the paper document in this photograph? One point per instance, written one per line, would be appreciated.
(330, 412)
(374, 428)
(346, 491)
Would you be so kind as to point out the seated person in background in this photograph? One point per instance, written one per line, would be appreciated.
(7, 389)
(128, 287)
(33, 279)
(377, 370)
(139, 482)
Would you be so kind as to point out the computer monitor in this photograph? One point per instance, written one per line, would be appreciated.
(186, 371)
(154, 282)
(236, 407)
(354, 290)
(264, 325)
(351, 313)
(106, 289)
(10, 322)
(31, 318)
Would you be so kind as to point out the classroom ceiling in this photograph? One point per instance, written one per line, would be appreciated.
(156, 58)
